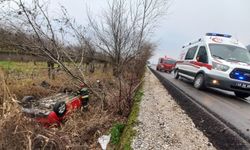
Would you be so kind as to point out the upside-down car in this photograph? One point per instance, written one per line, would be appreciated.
(55, 109)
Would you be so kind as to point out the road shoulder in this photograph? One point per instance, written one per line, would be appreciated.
(162, 124)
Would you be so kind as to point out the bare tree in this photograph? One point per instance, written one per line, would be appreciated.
(124, 29)
(126, 25)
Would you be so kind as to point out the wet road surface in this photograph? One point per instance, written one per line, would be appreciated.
(225, 104)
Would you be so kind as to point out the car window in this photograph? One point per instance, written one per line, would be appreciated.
(191, 52)
(202, 55)
(169, 61)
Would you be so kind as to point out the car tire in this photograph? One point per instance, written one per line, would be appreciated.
(27, 99)
(199, 81)
(241, 94)
(176, 74)
(60, 108)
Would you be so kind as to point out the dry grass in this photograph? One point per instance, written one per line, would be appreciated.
(80, 131)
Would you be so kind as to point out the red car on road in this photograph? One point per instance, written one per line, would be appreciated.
(166, 64)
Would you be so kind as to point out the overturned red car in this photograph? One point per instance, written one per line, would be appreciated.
(166, 64)
(55, 109)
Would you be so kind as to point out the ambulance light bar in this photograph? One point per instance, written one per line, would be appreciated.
(218, 34)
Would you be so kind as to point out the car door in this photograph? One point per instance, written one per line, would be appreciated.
(188, 69)
(201, 58)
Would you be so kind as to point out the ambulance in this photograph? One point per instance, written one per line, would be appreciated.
(216, 60)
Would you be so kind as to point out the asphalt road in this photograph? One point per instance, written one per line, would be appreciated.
(231, 109)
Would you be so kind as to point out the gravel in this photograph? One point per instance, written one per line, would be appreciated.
(162, 124)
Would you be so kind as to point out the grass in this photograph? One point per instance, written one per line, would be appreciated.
(24, 78)
(2, 50)
(129, 132)
(21, 67)
(26, 68)
(15, 64)
(116, 132)
(6, 64)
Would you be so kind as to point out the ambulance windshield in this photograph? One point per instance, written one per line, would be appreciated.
(230, 53)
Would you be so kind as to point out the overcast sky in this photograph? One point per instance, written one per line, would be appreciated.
(187, 20)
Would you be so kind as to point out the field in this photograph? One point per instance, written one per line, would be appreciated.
(23, 78)
(19, 79)
(23, 68)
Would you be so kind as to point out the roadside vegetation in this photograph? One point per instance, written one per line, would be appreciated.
(56, 53)
(80, 131)
(129, 132)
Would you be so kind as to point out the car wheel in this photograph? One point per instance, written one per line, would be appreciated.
(176, 74)
(28, 99)
(241, 94)
(199, 82)
(60, 108)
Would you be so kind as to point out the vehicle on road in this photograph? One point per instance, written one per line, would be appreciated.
(216, 60)
(55, 109)
(166, 64)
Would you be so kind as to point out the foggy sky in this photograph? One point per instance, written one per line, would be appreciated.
(187, 20)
